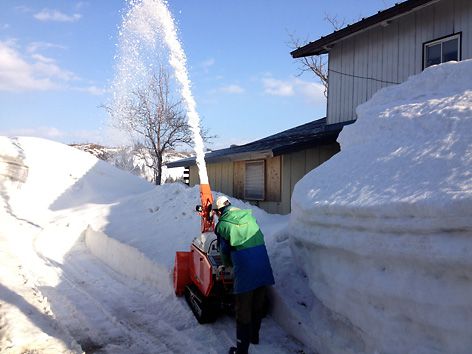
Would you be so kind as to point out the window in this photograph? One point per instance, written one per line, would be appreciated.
(442, 50)
(254, 180)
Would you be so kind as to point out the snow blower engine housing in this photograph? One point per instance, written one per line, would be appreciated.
(199, 274)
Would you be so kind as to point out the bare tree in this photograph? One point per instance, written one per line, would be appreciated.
(316, 64)
(155, 121)
(335, 22)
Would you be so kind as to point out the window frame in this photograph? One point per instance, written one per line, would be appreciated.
(441, 40)
(249, 197)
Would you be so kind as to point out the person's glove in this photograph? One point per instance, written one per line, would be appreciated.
(221, 270)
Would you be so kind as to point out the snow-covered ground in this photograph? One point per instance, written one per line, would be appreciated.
(375, 257)
(87, 256)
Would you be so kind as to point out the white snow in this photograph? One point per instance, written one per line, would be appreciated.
(87, 253)
(147, 27)
(375, 257)
(383, 229)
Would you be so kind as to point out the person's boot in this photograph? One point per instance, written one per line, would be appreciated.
(255, 328)
(243, 335)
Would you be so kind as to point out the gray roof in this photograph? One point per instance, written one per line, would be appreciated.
(322, 45)
(302, 137)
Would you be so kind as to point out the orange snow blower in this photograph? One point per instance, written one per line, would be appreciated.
(199, 274)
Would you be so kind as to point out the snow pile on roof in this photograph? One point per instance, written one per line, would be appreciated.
(384, 228)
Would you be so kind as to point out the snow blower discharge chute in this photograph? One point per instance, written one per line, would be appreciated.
(199, 274)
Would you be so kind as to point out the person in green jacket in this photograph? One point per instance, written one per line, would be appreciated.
(242, 246)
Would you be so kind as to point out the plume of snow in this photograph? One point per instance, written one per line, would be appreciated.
(147, 24)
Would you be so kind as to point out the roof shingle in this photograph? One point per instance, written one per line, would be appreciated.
(301, 137)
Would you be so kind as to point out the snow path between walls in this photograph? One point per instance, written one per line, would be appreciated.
(134, 264)
(57, 296)
(85, 305)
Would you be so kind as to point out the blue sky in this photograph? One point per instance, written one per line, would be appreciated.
(57, 64)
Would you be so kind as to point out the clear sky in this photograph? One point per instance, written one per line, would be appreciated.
(57, 64)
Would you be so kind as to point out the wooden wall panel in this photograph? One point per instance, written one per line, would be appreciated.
(378, 60)
(467, 33)
(286, 175)
(328, 151)
(463, 23)
(361, 52)
(227, 178)
(408, 58)
(390, 54)
(211, 176)
(273, 179)
(424, 33)
(347, 82)
(312, 159)
(298, 168)
(334, 86)
(443, 18)
(373, 58)
(238, 182)
(219, 177)
(194, 179)
(276, 207)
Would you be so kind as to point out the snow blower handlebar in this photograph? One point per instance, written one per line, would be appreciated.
(205, 210)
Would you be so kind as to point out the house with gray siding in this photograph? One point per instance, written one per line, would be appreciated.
(388, 47)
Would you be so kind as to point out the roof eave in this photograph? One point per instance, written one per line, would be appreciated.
(249, 155)
(324, 44)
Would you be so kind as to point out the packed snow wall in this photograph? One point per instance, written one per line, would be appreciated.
(383, 230)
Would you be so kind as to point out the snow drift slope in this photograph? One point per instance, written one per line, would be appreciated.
(56, 297)
(384, 228)
(61, 177)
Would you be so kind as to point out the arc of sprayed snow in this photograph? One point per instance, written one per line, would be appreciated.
(178, 60)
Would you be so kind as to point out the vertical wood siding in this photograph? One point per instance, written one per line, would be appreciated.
(194, 179)
(294, 167)
(463, 23)
(238, 179)
(282, 173)
(363, 64)
(408, 55)
(273, 179)
(334, 86)
(220, 177)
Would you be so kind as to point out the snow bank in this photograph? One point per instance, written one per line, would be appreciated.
(12, 168)
(60, 177)
(128, 261)
(383, 230)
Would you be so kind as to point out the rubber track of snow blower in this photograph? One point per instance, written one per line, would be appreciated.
(204, 309)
